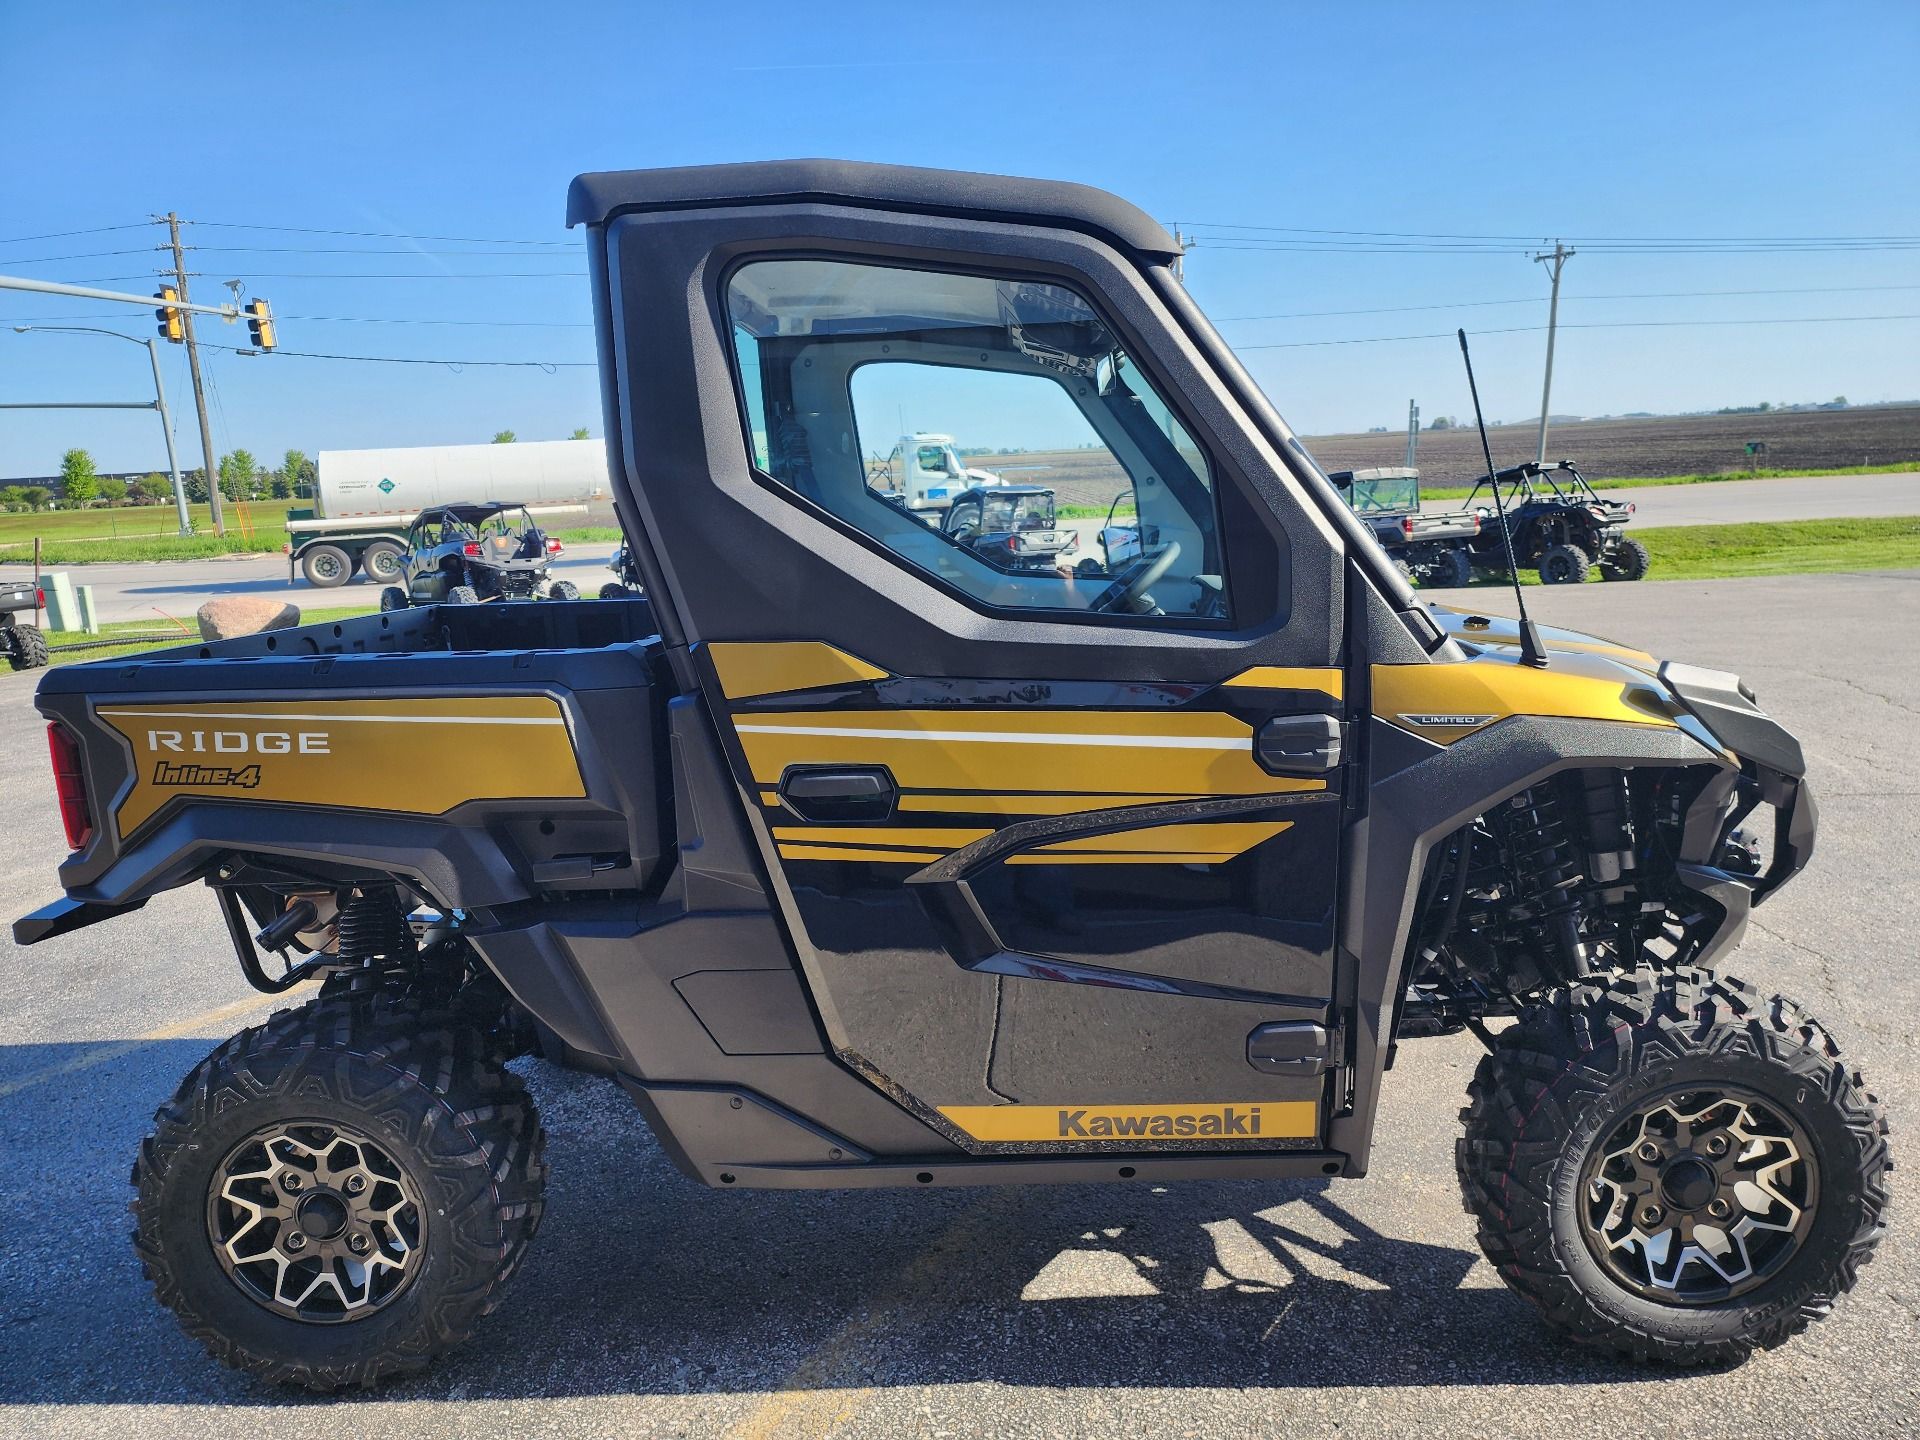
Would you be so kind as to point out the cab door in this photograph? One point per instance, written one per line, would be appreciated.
(1058, 851)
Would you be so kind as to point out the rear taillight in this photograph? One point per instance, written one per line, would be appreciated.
(471, 550)
(1406, 527)
(39, 599)
(553, 547)
(70, 784)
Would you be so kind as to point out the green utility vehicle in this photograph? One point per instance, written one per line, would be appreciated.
(857, 860)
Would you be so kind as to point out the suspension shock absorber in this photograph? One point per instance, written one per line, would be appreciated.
(1543, 866)
(373, 927)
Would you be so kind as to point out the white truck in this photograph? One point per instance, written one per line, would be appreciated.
(926, 472)
(365, 499)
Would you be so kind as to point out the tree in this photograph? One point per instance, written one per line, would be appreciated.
(308, 478)
(504, 437)
(280, 485)
(286, 480)
(194, 482)
(78, 482)
(580, 434)
(1840, 402)
(13, 497)
(237, 472)
(1440, 422)
(154, 489)
(112, 489)
(36, 496)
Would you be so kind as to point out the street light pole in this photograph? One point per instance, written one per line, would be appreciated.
(159, 404)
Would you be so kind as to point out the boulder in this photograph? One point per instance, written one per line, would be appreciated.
(245, 615)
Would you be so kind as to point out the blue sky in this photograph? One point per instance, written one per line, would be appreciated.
(469, 119)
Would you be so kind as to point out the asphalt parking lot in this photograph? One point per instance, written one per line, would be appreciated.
(648, 1306)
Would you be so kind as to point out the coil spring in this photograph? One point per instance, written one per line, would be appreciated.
(1543, 866)
(372, 927)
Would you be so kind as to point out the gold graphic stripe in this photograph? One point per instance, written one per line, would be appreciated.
(750, 668)
(792, 851)
(1137, 857)
(1326, 679)
(419, 757)
(1071, 1124)
(1497, 686)
(1197, 753)
(1229, 837)
(899, 838)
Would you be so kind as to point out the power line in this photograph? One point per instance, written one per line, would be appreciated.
(1591, 325)
(335, 319)
(331, 250)
(1535, 239)
(1253, 245)
(348, 275)
(1535, 300)
(65, 234)
(375, 234)
(548, 365)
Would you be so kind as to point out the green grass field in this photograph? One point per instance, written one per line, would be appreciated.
(1460, 492)
(156, 634)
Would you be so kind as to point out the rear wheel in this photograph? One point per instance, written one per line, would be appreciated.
(1670, 1165)
(326, 566)
(1449, 570)
(1563, 565)
(463, 595)
(393, 598)
(614, 590)
(339, 1195)
(24, 646)
(563, 590)
(1629, 561)
(381, 561)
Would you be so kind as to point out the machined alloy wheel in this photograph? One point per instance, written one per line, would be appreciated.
(326, 566)
(316, 1221)
(1699, 1196)
(381, 561)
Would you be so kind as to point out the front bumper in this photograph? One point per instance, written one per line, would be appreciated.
(1772, 772)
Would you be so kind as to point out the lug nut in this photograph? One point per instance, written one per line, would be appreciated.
(356, 1183)
(297, 1240)
(1649, 1151)
(1716, 1145)
(358, 1243)
(1650, 1215)
(1719, 1209)
(290, 1181)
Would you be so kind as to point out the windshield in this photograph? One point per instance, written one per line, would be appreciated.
(1371, 497)
(1018, 512)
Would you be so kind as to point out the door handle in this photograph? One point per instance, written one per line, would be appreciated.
(840, 794)
(1298, 745)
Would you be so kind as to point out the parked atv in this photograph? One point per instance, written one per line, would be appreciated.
(464, 554)
(627, 582)
(1012, 528)
(1559, 525)
(22, 645)
(1429, 549)
(856, 861)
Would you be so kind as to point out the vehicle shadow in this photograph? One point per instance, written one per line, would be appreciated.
(640, 1282)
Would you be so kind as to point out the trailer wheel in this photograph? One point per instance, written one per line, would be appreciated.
(326, 566)
(339, 1195)
(381, 561)
(1670, 1165)
(1629, 561)
(26, 647)
(1563, 565)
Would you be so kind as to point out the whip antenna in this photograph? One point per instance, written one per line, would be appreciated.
(1532, 652)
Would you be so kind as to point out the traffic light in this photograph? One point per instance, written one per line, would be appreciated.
(260, 325)
(170, 326)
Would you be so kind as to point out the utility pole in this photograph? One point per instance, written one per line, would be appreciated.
(1180, 260)
(1555, 262)
(1413, 430)
(199, 391)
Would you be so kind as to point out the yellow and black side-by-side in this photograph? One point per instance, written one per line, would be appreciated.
(886, 842)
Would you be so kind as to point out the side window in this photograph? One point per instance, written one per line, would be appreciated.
(991, 433)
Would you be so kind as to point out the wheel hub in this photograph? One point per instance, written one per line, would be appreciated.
(1699, 1196)
(316, 1221)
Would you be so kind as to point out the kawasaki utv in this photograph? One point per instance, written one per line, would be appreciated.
(855, 860)
(464, 554)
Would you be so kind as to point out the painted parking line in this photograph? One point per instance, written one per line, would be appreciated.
(214, 1022)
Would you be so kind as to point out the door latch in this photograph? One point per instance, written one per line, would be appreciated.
(840, 794)
(1298, 745)
(1293, 1047)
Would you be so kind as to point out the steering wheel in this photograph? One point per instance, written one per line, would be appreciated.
(1132, 583)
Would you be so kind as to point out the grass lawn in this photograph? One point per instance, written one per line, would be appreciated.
(1460, 492)
(142, 532)
(158, 635)
(1795, 547)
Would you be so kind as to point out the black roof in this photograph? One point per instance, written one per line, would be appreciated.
(470, 514)
(596, 198)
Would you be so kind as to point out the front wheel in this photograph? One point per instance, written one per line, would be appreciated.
(337, 1196)
(1670, 1165)
(1563, 565)
(1629, 561)
(614, 590)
